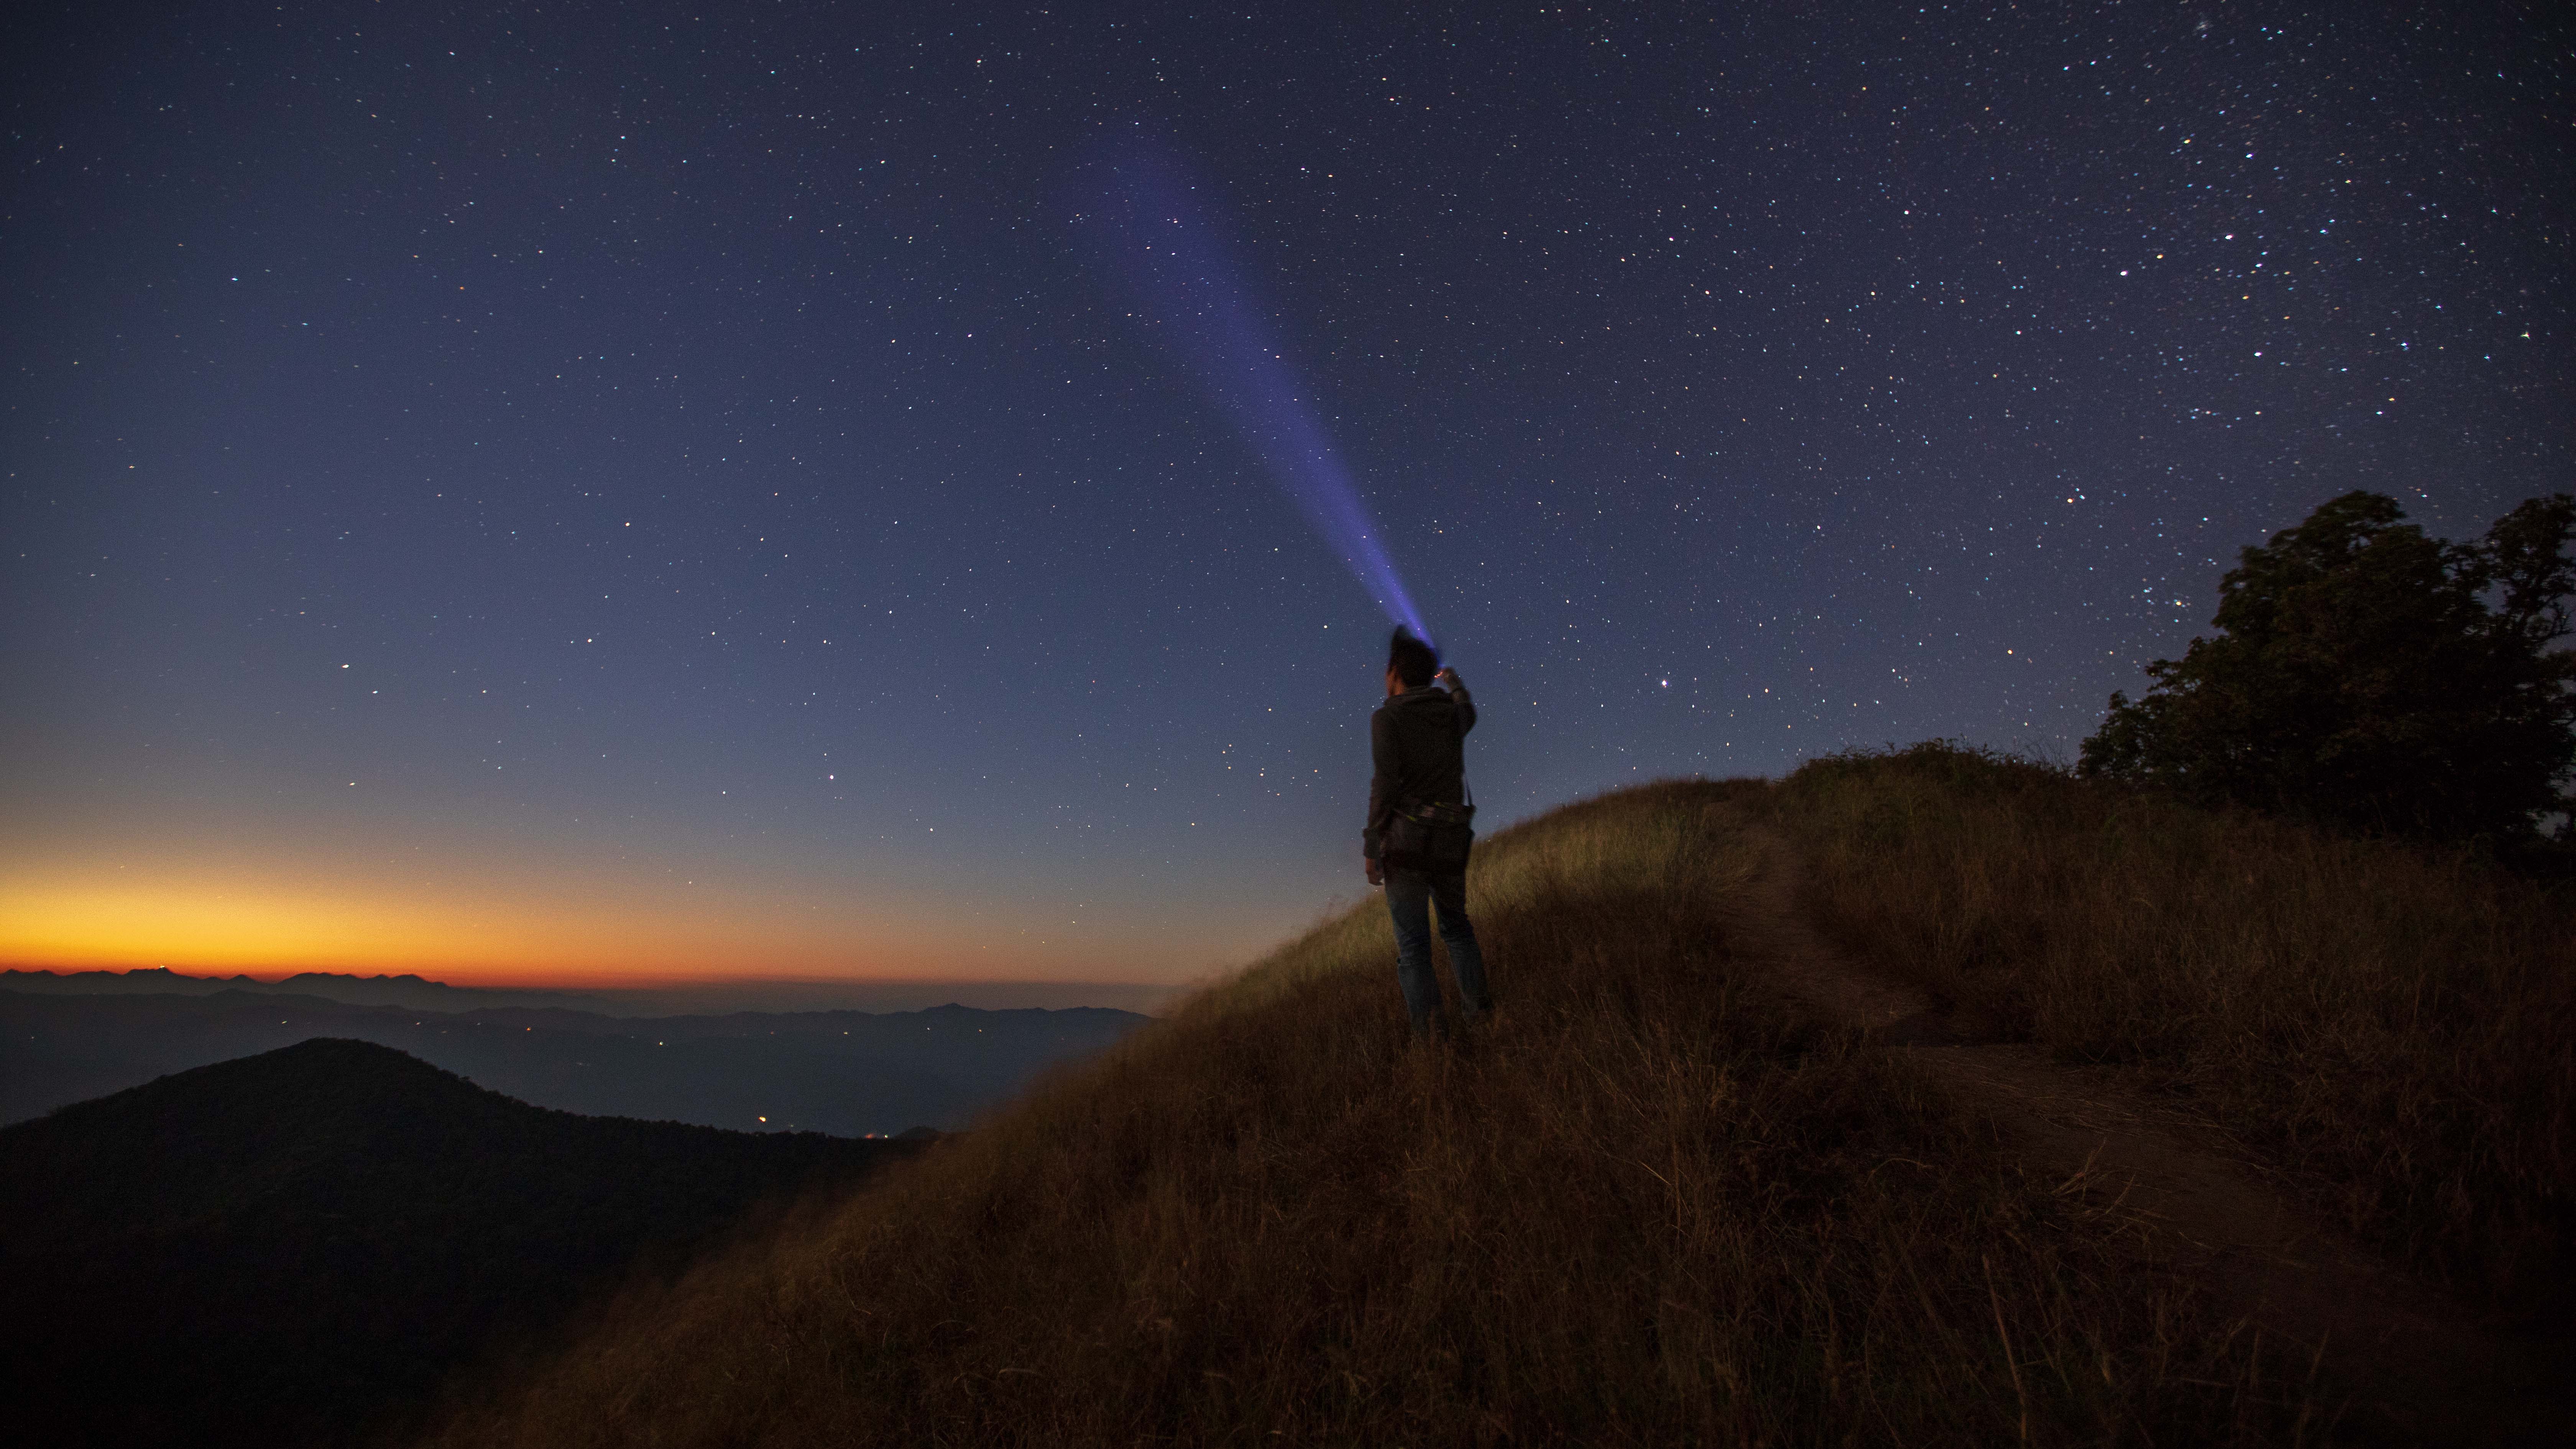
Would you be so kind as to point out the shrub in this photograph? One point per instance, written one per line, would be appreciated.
(2371, 677)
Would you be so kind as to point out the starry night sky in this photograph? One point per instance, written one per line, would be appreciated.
(552, 492)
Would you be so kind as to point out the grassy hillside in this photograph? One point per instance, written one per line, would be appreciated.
(1649, 1204)
(2393, 1028)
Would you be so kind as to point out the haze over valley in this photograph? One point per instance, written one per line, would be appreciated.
(848, 1073)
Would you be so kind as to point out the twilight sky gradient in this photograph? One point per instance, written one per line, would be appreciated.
(640, 490)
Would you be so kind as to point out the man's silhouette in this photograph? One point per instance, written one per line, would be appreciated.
(1416, 837)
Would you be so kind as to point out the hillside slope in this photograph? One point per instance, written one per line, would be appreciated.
(2391, 1030)
(288, 1247)
(1654, 1202)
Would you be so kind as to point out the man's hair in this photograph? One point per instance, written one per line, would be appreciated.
(1411, 659)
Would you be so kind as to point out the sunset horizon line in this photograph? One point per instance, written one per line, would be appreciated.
(526, 982)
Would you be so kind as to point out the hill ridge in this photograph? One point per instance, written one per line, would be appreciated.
(1668, 1196)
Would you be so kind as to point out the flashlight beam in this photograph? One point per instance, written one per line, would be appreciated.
(1196, 299)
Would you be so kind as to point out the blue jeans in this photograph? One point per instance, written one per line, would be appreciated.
(1410, 895)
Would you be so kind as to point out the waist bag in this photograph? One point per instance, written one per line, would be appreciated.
(1431, 838)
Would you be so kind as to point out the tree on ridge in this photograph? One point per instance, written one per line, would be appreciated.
(2369, 676)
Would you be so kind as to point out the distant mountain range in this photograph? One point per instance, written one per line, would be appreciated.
(405, 990)
(676, 998)
(299, 1247)
(849, 1073)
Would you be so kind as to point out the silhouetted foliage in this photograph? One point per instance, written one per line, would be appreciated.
(289, 1248)
(2367, 676)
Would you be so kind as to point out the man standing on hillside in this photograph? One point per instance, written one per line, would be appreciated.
(1417, 836)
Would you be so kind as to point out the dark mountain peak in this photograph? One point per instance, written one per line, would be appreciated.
(229, 1139)
(299, 1242)
(335, 1053)
(327, 1077)
(362, 1075)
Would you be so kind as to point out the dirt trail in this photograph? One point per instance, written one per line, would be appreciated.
(2405, 1364)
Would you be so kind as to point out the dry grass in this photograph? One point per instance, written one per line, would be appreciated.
(2393, 1027)
(1645, 1206)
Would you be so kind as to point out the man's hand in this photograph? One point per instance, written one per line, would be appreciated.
(1448, 679)
(1376, 872)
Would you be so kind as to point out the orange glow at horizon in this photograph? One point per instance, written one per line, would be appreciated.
(594, 937)
(235, 932)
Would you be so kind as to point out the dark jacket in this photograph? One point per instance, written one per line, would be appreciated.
(1415, 741)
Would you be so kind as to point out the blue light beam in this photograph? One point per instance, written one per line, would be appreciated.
(1156, 237)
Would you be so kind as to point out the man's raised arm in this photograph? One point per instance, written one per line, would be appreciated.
(1464, 703)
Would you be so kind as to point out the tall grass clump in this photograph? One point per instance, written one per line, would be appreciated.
(1642, 1206)
(2397, 1023)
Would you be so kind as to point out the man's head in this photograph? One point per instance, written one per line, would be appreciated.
(1409, 662)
